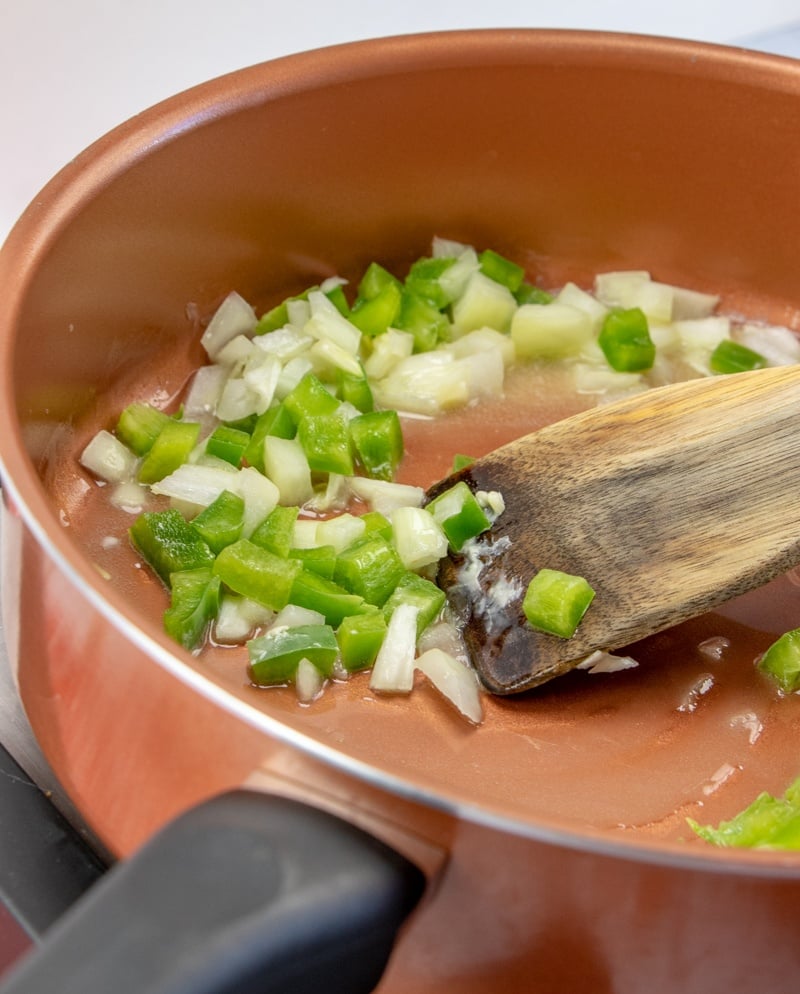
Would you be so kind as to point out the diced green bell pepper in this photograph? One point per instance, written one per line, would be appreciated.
(528, 293)
(459, 515)
(374, 521)
(766, 823)
(195, 602)
(139, 425)
(256, 573)
(781, 661)
(373, 315)
(168, 543)
(325, 439)
(274, 656)
(424, 595)
(423, 320)
(228, 443)
(461, 462)
(170, 449)
(375, 279)
(355, 390)
(555, 602)
(320, 560)
(378, 443)
(309, 398)
(220, 523)
(424, 280)
(360, 637)
(275, 421)
(733, 357)
(276, 531)
(337, 297)
(626, 342)
(501, 270)
(370, 568)
(317, 593)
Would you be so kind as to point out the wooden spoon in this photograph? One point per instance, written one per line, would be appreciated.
(669, 503)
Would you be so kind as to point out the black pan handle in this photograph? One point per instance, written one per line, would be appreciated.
(245, 894)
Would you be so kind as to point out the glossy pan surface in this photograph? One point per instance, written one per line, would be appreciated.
(574, 152)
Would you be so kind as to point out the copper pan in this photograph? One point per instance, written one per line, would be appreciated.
(553, 837)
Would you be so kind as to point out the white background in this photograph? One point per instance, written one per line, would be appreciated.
(70, 70)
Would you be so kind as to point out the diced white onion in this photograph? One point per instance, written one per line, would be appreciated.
(393, 670)
(484, 303)
(330, 355)
(341, 531)
(238, 618)
(779, 346)
(260, 496)
(291, 374)
(455, 279)
(109, 459)
(235, 353)
(418, 539)
(261, 375)
(237, 400)
(284, 343)
(482, 340)
(453, 680)
(308, 681)
(326, 322)
(285, 463)
(233, 317)
(384, 496)
(205, 391)
(388, 350)
(198, 485)
(292, 616)
(572, 295)
(606, 662)
(129, 496)
(305, 533)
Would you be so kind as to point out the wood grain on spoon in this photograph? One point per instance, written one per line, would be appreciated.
(669, 503)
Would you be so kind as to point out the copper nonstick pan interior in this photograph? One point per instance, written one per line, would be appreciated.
(571, 152)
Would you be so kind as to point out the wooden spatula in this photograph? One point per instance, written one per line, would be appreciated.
(669, 503)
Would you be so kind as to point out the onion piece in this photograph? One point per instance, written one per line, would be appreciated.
(233, 317)
(196, 484)
(605, 662)
(105, 456)
(393, 670)
(384, 496)
(308, 681)
(455, 681)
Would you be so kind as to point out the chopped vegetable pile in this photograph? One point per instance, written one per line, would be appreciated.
(269, 503)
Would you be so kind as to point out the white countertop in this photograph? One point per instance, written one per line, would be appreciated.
(70, 70)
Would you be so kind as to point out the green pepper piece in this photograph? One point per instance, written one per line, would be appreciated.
(275, 421)
(139, 425)
(425, 596)
(733, 357)
(423, 320)
(170, 449)
(325, 439)
(424, 280)
(767, 822)
(228, 443)
(360, 637)
(555, 602)
(374, 521)
(317, 593)
(355, 390)
(370, 568)
(530, 294)
(459, 514)
(309, 398)
(320, 560)
(781, 661)
(501, 270)
(195, 602)
(373, 315)
(168, 543)
(377, 439)
(256, 573)
(276, 531)
(461, 462)
(337, 297)
(246, 424)
(375, 279)
(274, 656)
(220, 523)
(626, 342)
